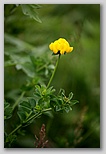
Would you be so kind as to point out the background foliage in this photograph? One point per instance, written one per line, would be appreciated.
(28, 61)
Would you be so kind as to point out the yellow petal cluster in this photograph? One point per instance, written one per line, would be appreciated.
(60, 46)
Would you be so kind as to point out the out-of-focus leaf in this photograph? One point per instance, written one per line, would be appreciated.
(30, 11)
(23, 62)
(8, 63)
(27, 68)
(21, 45)
(35, 6)
(51, 66)
(7, 110)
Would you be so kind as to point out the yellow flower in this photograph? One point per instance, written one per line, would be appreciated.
(60, 46)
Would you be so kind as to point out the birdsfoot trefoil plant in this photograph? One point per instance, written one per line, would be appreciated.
(43, 99)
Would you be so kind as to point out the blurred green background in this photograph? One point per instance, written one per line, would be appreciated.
(78, 71)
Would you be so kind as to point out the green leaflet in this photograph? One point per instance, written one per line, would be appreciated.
(26, 109)
(63, 103)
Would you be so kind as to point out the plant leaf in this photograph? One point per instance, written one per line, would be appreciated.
(30, 11)
(25, 106)
(35, 6)
(21, 115)
(73, 102)
(70, 96)
(7, 110)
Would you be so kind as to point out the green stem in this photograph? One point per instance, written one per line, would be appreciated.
(35, 116)
(31, 118)
(42, 67)
(53, 72)
(15, 129)
(17, 101)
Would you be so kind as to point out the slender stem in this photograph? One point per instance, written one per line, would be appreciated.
(45, 110)
(42, 67)
(15, 129)
(31, 118)
(35, 116)
(17, 101)
(53, 73)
